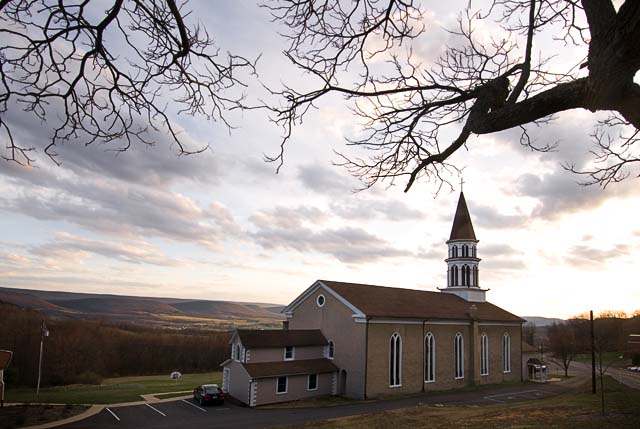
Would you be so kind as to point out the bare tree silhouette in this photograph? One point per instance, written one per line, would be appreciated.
(484, 85)
(108, 75)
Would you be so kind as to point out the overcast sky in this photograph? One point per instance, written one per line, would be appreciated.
(222, 225)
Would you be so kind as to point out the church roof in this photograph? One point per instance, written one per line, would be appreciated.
(462, 228)
(292, 367)
(281, 338)
(390, 302)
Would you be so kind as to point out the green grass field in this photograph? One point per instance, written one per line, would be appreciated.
(113, 390)
(571, 410)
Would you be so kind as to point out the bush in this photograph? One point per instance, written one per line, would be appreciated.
(635, 359)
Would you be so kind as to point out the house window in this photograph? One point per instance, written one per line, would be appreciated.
(506, 352)
(312, 382)
(320, 300)
(484, 355)
(281, 386)
(331, 349)
(288, 353)
(458, 356)
(430, 358)
(395, 361)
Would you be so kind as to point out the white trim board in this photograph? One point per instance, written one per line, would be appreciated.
(311, 290)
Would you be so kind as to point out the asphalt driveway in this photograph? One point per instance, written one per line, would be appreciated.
(186, 413)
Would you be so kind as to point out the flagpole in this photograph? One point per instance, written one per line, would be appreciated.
(43, 332)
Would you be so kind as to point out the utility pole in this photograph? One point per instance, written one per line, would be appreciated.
(44, 332)
(593, 354)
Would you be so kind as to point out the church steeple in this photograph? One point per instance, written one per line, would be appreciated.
(463, 275)
(462, 228)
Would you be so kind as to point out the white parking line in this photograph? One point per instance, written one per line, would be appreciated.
(156, 410)
(493, 399)
(113, 414)
(511, 394)
(221, 409)
(193, 405)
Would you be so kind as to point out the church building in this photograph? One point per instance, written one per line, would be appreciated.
(364, 341)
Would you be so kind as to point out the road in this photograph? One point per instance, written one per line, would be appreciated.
(185, 413)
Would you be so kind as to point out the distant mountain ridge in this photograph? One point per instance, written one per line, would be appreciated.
(542, 321)
(173, 312)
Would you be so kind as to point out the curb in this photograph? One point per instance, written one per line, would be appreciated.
(93, 410)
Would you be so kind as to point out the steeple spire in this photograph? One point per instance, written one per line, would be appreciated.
(463, 275)
(462, 228)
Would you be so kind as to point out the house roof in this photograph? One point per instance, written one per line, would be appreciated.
(281, 338)
(291, 367)
(390, 302)
(462, 228)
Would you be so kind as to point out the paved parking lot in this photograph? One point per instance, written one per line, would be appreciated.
(183, 413)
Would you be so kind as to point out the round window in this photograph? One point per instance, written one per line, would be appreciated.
(320, 300)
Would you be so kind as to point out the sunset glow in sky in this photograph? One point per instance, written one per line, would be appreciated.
(222, 225)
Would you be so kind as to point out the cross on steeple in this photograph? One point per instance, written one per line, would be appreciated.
(461, 183)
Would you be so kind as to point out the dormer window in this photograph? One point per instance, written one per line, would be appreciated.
(331, 349)
(320, 300)
(288, 353)
(237, 350)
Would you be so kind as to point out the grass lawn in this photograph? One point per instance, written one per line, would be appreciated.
(18, 416)
(113, 390)
(608, 359)
(571, 410)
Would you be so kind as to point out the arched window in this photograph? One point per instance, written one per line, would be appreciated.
(466, 275)
(430, 358)
(465, 251)
(455, 251)
(330, 349)
(476, 280)
(238, 350)
(455, 275)
(506, 352)
(395, 361)
(484, 354)
(473, 250)
(458, 356)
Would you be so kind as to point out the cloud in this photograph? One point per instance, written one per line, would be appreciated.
(109, 206)
(299, 232)
(135, 252)
(585, 256)
(489, 217)
(324, 180)
(558, 193)
(365, 209)
(498, 250)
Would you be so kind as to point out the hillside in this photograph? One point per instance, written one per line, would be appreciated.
(169, 312)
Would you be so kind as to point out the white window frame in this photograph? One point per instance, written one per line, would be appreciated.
(458, 356)
(286, 385)
(293, 353)
(506, 353)
(430, 357)
(395, 360)
(324, 300)
(237, 352)
(309, 382)
(331, 349)
(484, 354)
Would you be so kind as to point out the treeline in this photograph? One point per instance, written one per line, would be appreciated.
(80, 351)
(572, 337)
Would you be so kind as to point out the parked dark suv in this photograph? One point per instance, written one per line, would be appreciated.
(208, 393)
